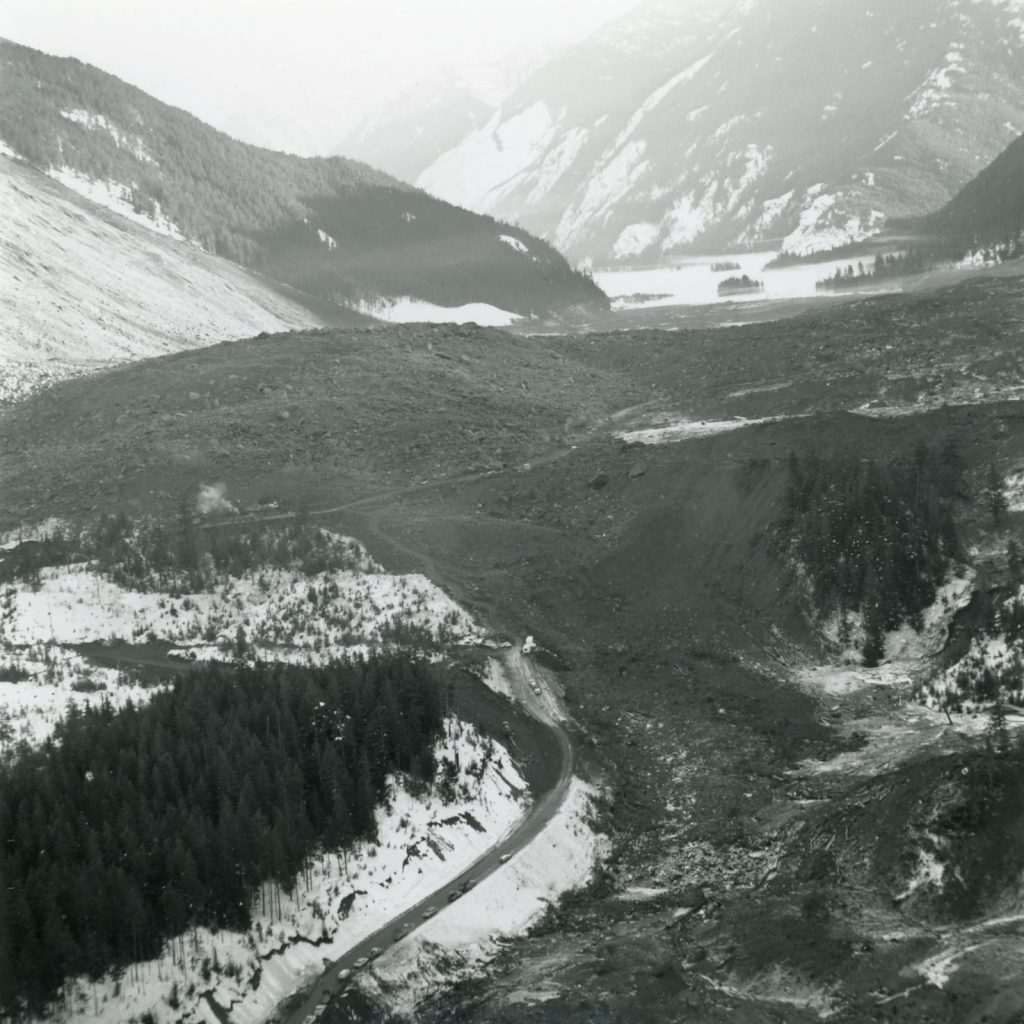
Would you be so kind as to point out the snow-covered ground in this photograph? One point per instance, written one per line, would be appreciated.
(692, 282)
(688, 430)
(465, 935)
(405, 310)
(274, 608)
(423, 843)
(54, 677)
(284, 615)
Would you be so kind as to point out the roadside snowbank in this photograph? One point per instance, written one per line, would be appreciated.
(467, 934)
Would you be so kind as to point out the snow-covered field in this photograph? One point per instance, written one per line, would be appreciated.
(423, 843)
(354, 612)
(692, 282)
(55, 677)
(464, 936)
(319, 615)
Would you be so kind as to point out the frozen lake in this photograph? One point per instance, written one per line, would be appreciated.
(692, 282)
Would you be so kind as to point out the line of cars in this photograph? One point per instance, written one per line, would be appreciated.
(345, 974)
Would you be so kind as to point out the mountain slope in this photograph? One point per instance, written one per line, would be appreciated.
(409, 133)
(334, 228)
(724, 125)
(989, 210)
(84, 287)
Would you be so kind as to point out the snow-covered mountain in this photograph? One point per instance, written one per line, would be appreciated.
(84, 287)
(406, 133)
(804, 124)
(413, 129)
(339, 231)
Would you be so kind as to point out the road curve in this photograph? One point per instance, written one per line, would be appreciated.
(531, 688)
(525, 679)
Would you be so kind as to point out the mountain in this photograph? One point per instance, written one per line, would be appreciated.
(988, 211)
(85, 287)
(406, 133)
(803, 125)
(415, 128)
(333, 228)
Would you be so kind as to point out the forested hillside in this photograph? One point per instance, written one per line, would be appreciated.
(988, 212)
(130, 827)
(334, 228)
(711, 126)
(874, 538)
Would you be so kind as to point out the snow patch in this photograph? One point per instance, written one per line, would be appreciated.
(326, 239)
(474, 173)
(688, 430)
(824, 225)
(611, 183)
(118, 197)
(405, 310)
(98, 122)
(656, 97)
(513, 242)
(635, 239)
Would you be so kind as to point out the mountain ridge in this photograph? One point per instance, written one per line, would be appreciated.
(669, 131)
(332, 227)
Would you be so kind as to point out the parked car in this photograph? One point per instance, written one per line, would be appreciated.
(344, 974)
(429, 912)
(505, 858)
(360, 963)
(375, 952)
(453, 896)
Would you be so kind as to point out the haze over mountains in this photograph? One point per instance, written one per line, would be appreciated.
(804, 125)
(336, 230)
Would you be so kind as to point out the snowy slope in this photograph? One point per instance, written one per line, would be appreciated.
(806, 124)
(81, 287)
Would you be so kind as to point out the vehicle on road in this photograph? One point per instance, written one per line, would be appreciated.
(375, 952)
(453, 896)
(504, 858)
(468, 884)
(344, 974)
(429, 912)
(401, 933)
(360, 963)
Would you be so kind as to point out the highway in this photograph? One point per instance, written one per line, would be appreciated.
(526, 679)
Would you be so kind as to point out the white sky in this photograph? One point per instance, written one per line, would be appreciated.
(294, 70)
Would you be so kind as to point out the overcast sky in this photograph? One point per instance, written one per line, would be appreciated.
(294, 70)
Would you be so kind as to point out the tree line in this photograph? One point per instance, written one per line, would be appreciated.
(874, 537)
(264, 209)
(182, 554)
(887, 265)
(128, 828)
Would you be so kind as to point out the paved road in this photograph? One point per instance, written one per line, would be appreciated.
(525, 679)
(531, 687)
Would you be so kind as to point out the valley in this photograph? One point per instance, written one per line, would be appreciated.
(584, 585)
(618, 498)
